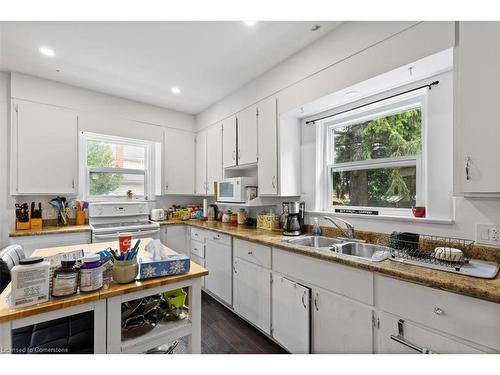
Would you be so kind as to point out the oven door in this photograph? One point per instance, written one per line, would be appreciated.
(230, 191)
(113, 236)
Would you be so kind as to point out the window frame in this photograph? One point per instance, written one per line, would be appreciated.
(85, 170)
(417, 99)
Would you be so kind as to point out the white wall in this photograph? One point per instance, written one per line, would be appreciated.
(97, 113)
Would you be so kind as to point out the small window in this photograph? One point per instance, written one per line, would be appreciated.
(114, 165)
(373, 158)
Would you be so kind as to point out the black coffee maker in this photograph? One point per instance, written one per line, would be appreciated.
(293, 218)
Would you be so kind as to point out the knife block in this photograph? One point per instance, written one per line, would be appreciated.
(36, 224)
(22, 225)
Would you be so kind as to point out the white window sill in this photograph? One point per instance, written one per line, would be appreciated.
(407, 219)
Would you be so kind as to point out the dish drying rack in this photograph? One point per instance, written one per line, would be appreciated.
(423, 252)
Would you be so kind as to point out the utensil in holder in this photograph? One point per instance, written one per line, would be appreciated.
(125, 271)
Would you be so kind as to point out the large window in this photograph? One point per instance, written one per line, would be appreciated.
(115, 165)
(373, 157)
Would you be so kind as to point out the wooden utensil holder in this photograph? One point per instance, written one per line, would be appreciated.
(22, 225)
(36, 224)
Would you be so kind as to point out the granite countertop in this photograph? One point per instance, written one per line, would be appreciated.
(51, 229)
(487, 289)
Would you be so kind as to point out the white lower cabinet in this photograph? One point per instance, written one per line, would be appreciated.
(291, 314)
(218, 261)
(175, 237)
(340, 325)
(398, 336)
(252, 293)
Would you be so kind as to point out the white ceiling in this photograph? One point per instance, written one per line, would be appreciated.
(143, 60)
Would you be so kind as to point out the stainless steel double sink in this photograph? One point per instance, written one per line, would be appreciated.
(355, 248)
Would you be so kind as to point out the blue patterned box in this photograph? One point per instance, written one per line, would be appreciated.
(174, 265)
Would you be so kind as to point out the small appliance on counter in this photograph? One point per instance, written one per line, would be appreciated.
(234, 189)
(157, 214)
(293, 218)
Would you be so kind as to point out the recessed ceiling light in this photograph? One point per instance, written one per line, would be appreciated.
(175, 90)
(250, 23)
(47, 51)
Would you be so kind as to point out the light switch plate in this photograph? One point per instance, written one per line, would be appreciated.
(488, 234)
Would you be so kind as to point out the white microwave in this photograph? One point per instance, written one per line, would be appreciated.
(233, 189)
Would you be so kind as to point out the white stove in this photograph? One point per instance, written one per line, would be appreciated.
(110, 219)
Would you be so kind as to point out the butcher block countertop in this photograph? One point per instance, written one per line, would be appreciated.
(487, 289)
(51, 229)
(6, 313)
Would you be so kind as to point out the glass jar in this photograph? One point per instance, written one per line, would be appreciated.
(65, 279)
(91, 273)
(242, 216)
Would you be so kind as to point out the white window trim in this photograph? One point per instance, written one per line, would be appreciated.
(384, 108)
(85, 171)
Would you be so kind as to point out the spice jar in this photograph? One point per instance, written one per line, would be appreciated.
(242, 216)
(226, 217)
(91, 273)
(233, 220)
(65, 279)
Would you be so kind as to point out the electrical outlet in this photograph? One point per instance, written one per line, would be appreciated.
(488, 234)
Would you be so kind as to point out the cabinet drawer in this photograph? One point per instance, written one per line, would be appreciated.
(466, 317)
(252, 252)
(415, 335)
(197, 249)
(218, 237)
(198, 234)
(348, 281)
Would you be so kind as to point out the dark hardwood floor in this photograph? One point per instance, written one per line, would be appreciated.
(222, 332)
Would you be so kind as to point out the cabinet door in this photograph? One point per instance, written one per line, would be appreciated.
(214, 157)
(477, 128)
(252, 293)
(45, 149)
(179, 162)
(229, 142)
(340, 325)
(417, 336)
(247, 136)
(176, 239)
(218, 261)
(291, 314)
(201, 163)
(268, 147)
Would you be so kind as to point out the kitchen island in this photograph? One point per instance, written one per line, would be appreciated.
(106, 307)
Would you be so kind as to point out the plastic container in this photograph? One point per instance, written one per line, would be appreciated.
(65, 279)
(316, 230)
(30, 282)
(91, 273)
(125, 271)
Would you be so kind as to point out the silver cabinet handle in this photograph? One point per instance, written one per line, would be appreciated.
(234, 268)
(467, 164)
(273, 182)
(438, 311)
(316, 301)
(250, 252)
(73, 183)
(304, 300)
(234, 154)
(400, 337)
(239, 154)
(166, 187)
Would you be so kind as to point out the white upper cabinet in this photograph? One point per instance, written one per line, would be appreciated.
(477, 94)
(229, 142)
(201, 163)
(179, 162)
(44, 152)
(268, 147)
(214, 157)
(247, 135)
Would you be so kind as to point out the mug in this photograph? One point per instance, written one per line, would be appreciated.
(418, 211)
